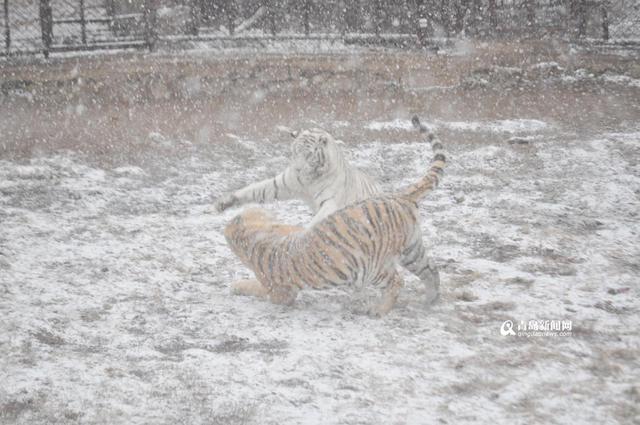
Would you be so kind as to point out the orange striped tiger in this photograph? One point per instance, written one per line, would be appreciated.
(359, 245)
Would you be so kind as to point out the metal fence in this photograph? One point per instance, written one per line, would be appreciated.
(44, 26)
(624, 19)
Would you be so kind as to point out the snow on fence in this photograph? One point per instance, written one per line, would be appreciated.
(624, 20)
(44, 26)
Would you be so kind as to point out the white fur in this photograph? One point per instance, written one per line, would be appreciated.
(325, 187)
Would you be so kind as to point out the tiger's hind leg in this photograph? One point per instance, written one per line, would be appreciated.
(416, 259)
(392, 283)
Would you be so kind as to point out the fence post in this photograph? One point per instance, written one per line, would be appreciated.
(149, 17)
(353, 16)
(582, 18)
(230, 12)
(111, 8)
(7, 29)
(493, 17)
(460, 12)
(473, 24)
(605, 22)
(423, 23)
(46, 26)
(445, 16)
(83, 23)
(531, 14)
(272, 9)
(306, 11)
(194, 18)
(376, 17)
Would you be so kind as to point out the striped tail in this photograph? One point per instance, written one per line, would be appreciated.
(429, 182)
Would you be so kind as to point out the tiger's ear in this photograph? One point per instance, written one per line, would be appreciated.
(289, 131)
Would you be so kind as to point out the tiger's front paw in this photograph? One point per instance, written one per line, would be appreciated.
(381, 308)
(249, 287)
(363, 305)
(432, 286)
(432, 297)
(226, 202)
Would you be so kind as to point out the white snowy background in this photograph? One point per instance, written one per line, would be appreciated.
(115, 303)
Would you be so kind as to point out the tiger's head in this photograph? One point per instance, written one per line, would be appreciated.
(251, 227)
(315, 154)
(244, 228)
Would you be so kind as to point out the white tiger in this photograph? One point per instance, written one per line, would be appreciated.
(318, 174)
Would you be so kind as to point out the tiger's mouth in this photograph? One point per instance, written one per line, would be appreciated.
(237, 240)
(310, 170)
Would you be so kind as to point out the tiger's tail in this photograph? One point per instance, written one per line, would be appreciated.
(430, 181)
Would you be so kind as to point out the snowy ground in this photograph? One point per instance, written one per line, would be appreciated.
(116, 309)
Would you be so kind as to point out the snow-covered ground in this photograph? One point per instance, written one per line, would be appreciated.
(115, 302)
(114, 274)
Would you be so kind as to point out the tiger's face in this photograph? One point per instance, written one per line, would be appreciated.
(249, 222)
(253, 226)
(243, 230)
(314, 154)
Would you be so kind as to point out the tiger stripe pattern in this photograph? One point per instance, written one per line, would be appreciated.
(361, 244)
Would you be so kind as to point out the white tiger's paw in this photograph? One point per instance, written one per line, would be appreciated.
(226, 202)
(249, 287)
(432, 286)
(431, 297)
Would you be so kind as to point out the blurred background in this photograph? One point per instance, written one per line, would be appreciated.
(43, 26)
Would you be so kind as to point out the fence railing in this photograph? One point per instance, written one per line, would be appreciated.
(45, 26)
